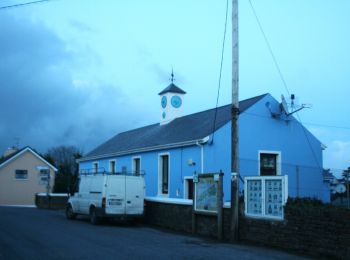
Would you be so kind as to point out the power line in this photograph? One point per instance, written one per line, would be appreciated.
(22, 4)
(220, 73)
(284, 82)
(269, 47)
(305, 123)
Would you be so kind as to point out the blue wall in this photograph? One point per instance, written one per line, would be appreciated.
(301, 155)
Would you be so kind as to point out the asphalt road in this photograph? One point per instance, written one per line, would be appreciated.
(30, 233)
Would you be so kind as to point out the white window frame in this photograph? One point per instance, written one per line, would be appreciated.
(278, 160)
(160, 175)
(263, 179)
(110, 164)
(186, 178)
(44, 177)
(95, 169)
(133, 164)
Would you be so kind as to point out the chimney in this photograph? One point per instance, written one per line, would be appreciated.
(9, 151)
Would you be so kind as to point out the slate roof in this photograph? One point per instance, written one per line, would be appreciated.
(187, 128)
(173, 89)
(5, 159)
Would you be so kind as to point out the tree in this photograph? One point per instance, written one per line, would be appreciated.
(64, 158)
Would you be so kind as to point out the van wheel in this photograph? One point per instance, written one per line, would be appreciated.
(93, 216)
(69, 212)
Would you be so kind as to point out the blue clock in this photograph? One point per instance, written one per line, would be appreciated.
(176, 101)
(164, 101)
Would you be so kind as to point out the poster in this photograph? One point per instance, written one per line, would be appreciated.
(273, 198)
(254, 196)
(206, 194)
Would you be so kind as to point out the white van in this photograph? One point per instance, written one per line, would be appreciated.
(108, 195)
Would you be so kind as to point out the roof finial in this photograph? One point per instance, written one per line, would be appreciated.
(172, 75)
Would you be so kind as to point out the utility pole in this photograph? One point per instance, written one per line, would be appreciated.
(234, 127)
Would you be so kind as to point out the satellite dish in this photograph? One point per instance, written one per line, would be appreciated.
(284, 105)
(340, 188)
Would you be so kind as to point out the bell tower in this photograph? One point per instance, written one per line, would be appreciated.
(171, 102)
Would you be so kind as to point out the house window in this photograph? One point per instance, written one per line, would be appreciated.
(95, 167)
(44, 176)
(112, 166)
(269, 164)
(164, 174)
(136, 165)
(21, 174)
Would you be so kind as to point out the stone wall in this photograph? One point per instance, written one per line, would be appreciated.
(309, 227)
(51, 201)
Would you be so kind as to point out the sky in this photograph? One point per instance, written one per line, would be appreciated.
(78, 72)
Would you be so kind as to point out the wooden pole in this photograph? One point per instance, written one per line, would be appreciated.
(234, 128)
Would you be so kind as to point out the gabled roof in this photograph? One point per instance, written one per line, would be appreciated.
(173, 89)
(5, 160)
(182, 131)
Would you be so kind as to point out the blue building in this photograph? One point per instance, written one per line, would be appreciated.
(271, 142)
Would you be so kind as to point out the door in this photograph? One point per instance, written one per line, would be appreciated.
(115, 194)
(83, 195)
(134, 195)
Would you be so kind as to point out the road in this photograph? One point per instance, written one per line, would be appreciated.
(30, 233)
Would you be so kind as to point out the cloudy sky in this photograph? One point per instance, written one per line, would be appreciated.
(78, 72)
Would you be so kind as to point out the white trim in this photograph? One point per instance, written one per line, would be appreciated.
(170, 200)
(160, 175)
(34, 153)
(115, 165)
(278, 160)
(146, 149)
(53, 194)
(133, 163)
(186, 178)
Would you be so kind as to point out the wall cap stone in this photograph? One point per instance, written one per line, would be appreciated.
(170, 200)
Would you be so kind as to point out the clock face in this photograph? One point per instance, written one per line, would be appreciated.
(164, 101)
(163, 115)
(176, 101)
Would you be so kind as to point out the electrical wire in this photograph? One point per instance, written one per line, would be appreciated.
(283, 80)
(305, 123)
(220, 73)
(22, 4)
(269, 47)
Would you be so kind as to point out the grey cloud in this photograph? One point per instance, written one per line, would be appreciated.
(39, 103)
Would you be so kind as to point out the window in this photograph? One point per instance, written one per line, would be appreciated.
(112, 166)
(21, 174)
(164, 174)
(95, 167)
(269, 163)
(265, 196)
(136, 165)
(44, 176)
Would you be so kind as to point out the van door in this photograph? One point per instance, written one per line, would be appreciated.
(83, 195)
(134, 195)
(115, 194)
